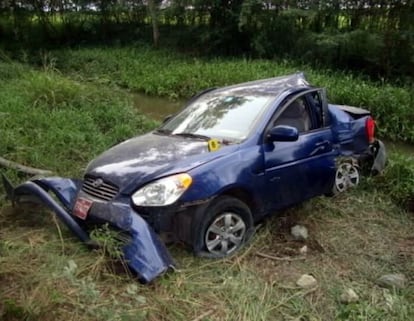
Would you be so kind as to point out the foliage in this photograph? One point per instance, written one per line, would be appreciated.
(39, 111)
(109, 240)
(375, 37)
(163, 73)
(398, 179)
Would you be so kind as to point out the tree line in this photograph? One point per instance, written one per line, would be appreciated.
(372, 36)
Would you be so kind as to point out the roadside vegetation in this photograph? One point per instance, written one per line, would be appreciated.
(165, 73)
(373, 37)
(54, 122)
(73, 105)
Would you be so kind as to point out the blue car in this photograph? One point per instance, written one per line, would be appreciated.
(231, 157)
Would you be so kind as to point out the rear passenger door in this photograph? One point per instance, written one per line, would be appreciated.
(296, 171)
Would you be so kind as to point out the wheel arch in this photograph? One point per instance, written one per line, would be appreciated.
(243, 195)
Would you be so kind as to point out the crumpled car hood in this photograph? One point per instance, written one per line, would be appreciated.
(141, 159)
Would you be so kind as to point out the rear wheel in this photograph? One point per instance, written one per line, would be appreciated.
(223, 228)
(346, 176)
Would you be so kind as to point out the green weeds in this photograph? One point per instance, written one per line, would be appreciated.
(162, 73)
(50, 121)
(398, 180)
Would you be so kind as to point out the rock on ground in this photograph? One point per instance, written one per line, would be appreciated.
(303, 250)
(349, 296)
(299, 232)
(306, 281)
(396, 280)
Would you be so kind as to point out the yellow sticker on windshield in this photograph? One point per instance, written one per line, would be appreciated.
(213, 145)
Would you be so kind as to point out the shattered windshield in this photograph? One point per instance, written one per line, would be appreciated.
(228, 117)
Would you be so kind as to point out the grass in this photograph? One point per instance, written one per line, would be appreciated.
(54, 121)
(163, 73)
(354, 239)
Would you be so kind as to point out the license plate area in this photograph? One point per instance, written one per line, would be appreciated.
(82, 207)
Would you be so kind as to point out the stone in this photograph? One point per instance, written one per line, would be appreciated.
(349, 296)
(303, 250)
(306, 281)
(299, 232)
(396, 280)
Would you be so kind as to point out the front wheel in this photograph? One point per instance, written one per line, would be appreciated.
(223, 228)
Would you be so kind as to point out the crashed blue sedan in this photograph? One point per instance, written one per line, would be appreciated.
(230, 158)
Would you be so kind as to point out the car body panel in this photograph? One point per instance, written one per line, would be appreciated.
(291, 167)
(347, 131)
(141, 159)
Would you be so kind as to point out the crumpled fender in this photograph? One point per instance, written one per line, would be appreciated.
(144, 253)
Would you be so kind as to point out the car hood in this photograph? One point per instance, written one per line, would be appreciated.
(141, 159)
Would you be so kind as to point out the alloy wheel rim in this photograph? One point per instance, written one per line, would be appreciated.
(225, 234)
(347, 176)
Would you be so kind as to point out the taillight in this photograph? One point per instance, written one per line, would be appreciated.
(370, 129)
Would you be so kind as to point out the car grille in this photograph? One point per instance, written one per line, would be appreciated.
(98, 188)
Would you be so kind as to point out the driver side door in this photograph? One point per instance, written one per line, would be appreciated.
(298, 170)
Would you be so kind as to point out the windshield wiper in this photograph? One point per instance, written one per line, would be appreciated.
(191, 135)
(163, 131)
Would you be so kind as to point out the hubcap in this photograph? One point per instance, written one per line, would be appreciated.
(346, 176)
(225, 234)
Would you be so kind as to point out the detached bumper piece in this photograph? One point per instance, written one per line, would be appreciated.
(145, 253)
(380, 157)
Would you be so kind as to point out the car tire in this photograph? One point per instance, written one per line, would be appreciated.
(346, 176)
(222, 228)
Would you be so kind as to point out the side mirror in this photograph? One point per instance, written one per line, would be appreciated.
(282, 133)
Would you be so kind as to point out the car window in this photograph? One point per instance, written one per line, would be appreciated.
(296, 115)
(223, 116)
(315, 101)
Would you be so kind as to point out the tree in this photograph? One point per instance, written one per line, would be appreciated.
(152, 7)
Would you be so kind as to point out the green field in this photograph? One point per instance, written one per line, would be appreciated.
(60, 109)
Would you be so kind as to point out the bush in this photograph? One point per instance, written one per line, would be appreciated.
(50, 121)
(398, 180)
(163, 73)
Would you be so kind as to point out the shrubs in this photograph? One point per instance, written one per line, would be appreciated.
(398, 180)
(162, 73)
(50, 121)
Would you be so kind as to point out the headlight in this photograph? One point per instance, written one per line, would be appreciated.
(164, 191)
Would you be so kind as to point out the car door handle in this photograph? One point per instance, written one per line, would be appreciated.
(321, 146)
(326, 143)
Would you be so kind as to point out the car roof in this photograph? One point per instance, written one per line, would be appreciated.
(266, 87)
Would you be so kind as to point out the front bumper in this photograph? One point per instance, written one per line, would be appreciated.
(144, 253)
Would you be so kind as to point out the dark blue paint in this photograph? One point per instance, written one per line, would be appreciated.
(141, 159)
(283, 134)
(37, 188)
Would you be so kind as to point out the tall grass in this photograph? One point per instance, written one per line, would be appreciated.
(398, 180)
(162, 73)
(50, 121)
